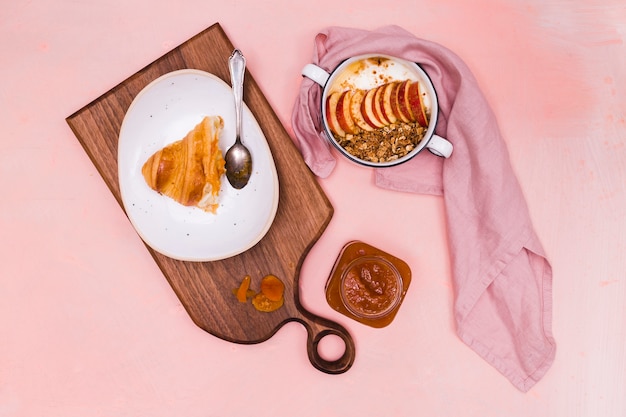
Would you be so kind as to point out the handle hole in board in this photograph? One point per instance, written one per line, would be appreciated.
(331, 347)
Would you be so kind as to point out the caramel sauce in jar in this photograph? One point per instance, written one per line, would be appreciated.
(367, 284)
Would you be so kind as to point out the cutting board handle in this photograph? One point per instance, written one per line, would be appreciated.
(318, 328)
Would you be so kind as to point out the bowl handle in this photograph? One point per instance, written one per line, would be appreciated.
(315, 73)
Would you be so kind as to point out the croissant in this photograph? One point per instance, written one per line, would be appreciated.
(189, 170)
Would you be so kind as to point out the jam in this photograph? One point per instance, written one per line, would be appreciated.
(367, 284)
(371, 286)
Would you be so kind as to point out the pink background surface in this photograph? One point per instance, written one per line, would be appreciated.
(89, 326)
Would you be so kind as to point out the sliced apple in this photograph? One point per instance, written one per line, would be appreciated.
(344, 117)
(403, 107)
(355, 110)
(393, 101)
(379, 110)
(416, 103)
(331, 114)
(367, 110)
(385, 101)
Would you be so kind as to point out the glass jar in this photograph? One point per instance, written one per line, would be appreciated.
(367, 284)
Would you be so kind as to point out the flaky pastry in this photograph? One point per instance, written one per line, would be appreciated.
(190, 170)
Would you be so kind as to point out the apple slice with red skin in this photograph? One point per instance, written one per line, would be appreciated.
(404, 113)
(416, 103)
(367, 110)
(355, 110)
(331, 114)
(344, 116)
(386, 96)
(379, 110)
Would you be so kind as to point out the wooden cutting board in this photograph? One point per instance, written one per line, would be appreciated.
(205, 288)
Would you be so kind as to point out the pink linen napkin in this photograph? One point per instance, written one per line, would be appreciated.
(502, 279)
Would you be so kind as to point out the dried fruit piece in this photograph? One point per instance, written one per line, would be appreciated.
(270, 298)
(242, 291)
(272, 287)
(262, 303)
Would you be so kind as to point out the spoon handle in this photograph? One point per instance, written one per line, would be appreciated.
(237, 66)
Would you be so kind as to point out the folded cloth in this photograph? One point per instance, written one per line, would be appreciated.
(502, 278)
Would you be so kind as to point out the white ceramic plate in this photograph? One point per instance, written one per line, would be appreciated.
(164, 112)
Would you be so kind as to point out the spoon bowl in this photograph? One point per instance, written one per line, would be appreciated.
(238, 159)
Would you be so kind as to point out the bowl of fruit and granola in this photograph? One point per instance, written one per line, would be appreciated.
(379, 110)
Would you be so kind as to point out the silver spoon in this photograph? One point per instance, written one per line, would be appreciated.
(238, 159)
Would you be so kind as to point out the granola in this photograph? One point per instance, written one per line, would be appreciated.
(386, 144)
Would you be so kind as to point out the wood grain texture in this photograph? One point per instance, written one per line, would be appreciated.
(205, 288)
